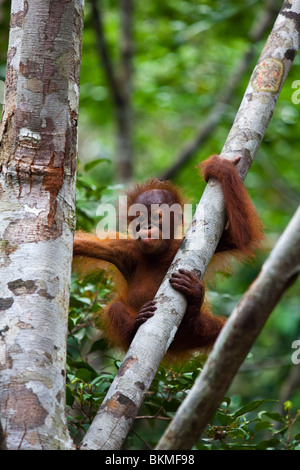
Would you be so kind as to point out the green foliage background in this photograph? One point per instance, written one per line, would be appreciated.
(185, 52)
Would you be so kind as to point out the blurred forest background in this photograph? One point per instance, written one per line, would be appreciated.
(162, 82)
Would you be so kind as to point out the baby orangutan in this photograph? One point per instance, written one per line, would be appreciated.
(144, 260)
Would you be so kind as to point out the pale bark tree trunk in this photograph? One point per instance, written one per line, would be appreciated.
(37, 217)
(151, 342)
(233, 345)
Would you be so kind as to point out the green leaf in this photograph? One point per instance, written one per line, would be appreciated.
(239, 433)
(90, 165)
(87, 396)
(275, 416)
(262, 425)
(69, 397)
(84, 365)
(227, 400)
(249, 407)
(242, 446)
(224, 419)
(282, 431)
(96, 380)
(83, 374)
(269, 444)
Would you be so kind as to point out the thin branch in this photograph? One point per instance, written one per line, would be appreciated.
(290, 385)
(141, 439)
(163, 418)
(104, 55)
(123, 112)
(127, 48)
(119, 82)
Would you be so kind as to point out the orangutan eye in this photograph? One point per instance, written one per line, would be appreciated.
(155, 218)
(142, 220)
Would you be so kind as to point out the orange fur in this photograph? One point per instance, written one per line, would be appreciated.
(245, 229)
(153, 184)
(140, 273)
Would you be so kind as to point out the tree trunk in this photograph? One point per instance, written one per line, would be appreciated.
(37, 217)
(151, 342)
(123, 108)
(119, 82)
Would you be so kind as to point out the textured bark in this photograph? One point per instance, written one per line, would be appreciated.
(151, 342)
(233, 345)
(37, 217)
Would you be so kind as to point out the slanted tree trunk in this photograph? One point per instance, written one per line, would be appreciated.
(151, 342)
(37, 217)
(238, 335)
